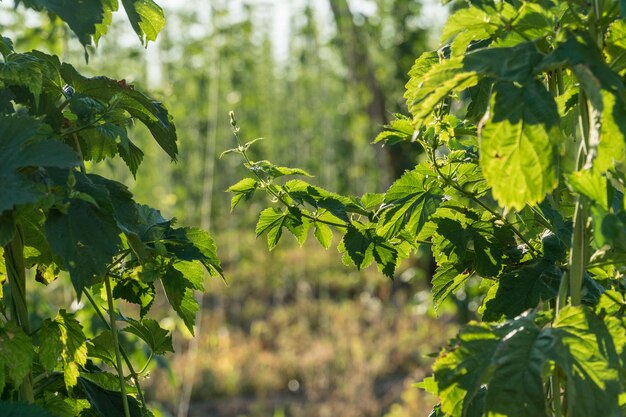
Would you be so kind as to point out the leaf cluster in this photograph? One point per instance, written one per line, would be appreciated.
(520, 116)
(62, 222)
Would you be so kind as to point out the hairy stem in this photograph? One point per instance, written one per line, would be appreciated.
(134, 375)
(16, 275)
(118, 354)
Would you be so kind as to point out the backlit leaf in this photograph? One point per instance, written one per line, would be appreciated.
(17, 354)
(158, 339)
(522, 289)
(150, 112)
(518, 155)
(146, 18)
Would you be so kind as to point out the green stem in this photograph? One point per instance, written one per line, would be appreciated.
(268, 186)
(555, 388)
(118, 354)
(561, 298)
(16, 275)
(577, 254)
(129, 364)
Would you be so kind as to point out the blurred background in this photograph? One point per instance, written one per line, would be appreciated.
(291, 332)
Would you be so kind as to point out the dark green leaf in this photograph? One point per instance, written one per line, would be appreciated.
(7, 228)
(515, 64)
(136, 292)
(522, 289)
(86, 239)
(11, 409)
(180, 296)
(23, 144)
(151, 113)
(586, 352)
(361, 246)
(23, 70)
(6, 46)
(158, 339)
(193, 244)
(108, 403)
(516, 387)
(146, 18)
(448, 279)
(17, 354)
(84, 18)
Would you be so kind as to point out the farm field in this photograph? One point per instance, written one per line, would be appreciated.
(352, 208)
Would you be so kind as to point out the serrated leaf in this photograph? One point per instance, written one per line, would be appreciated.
(591, 185)
(271, 221)
(146, 18)
(17, 354)
(243, 189)
(523, 289)
(470, 242)
(275, 171)
(150, 112)
(23, 144)
(193, 244)
(136, 292)
(50, 345)
(447, 279)
(100, 142)
(516, 388)
(324, 234)
(107, 380)
(74, 353)
(108, 403)
(361, 246)
(6, 46)
(158, 339)
(298, 224)
(399, 130)
(83, 18)
(425, 92)
(86, 239)
(591, 370)
(413, 199)
(102, 347)
(517, 155)
(460, 372)
(23, 70)
(180, 296)
(515, 64)
(469, 25)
